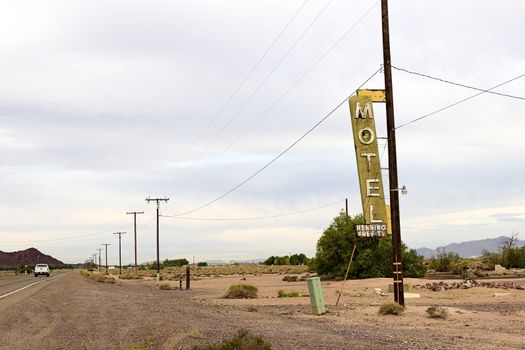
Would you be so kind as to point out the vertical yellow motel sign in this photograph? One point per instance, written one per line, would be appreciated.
(367, 155)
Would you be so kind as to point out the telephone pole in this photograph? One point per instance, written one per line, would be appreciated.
(158, 200)
(106, 244)
(99, 257)
(397, 269)
(135, 230)
(119, 251)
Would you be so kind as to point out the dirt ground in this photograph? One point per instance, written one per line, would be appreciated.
(76, 312)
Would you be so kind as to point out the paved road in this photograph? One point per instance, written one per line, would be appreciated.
(12, 284)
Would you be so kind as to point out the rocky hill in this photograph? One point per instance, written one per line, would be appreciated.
(468, 249)
(31, 256)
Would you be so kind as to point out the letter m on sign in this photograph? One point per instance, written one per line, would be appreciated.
(365, 112)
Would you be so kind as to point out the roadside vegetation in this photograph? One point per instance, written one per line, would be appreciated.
(290, 294)
(97, 276)
(241, 291)
(373, 256)
(391, 308)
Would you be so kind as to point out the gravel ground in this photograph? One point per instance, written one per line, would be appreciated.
(78, 313)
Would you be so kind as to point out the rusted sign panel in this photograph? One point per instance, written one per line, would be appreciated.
(367, 155)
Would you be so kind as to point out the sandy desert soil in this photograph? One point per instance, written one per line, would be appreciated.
(80, 313)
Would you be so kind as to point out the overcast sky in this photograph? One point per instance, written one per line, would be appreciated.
(103, 103)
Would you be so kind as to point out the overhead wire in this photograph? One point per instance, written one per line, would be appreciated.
(283, 95)
(458, 102)
(457, 84)
(256, 217)
(279, 155)
(256, 90)
(232, 95)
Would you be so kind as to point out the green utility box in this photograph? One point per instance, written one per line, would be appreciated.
(316, 295)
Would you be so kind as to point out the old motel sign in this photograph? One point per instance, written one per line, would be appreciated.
(368, 165)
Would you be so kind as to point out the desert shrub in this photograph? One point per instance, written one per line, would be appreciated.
(391, 308)
(446, 262)
(290, 278)
(437, 312)
(242, 341)
(103, 278)
(202, 264)
(241, 291)
(165, 286)
(291, 294)
(130, 276)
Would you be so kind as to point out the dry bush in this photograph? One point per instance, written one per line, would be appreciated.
(290, 278)
(391, 308)
(241, 291)
(103, 278)
(130, 276)
(242, 341)
(165, 286)
(437, 312)
(291, 294)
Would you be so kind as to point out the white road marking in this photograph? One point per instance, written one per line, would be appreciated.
(29, 285)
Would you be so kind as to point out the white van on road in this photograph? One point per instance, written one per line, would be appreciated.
(41, 269)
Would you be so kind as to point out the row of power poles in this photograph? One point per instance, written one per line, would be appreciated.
(134, 213)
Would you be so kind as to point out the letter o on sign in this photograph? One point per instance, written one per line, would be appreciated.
(366, 136)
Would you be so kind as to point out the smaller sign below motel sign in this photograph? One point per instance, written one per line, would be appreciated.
(371, 230)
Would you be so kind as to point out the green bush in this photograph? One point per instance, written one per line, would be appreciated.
(241, 291)
(242, 341)
(373, 256)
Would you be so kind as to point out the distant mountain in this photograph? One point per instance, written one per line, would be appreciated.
(31, 256)
(468, 249)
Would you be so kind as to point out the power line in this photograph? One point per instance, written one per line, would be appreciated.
(255, 217)
(458, 102)
(238, 89)
(279, 155)
(283, 95)
(457, 84)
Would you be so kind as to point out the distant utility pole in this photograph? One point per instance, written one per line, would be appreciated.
(158, 200)
(106, 245)
(135, 230)
(399, 295)
(94, 258)
(119, 251)
(99, 257)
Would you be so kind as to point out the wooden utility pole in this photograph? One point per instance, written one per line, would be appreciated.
(106, 245)
(119, 251)
(399, 296)
(157, 200)
(135, 230)
(99, 257)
